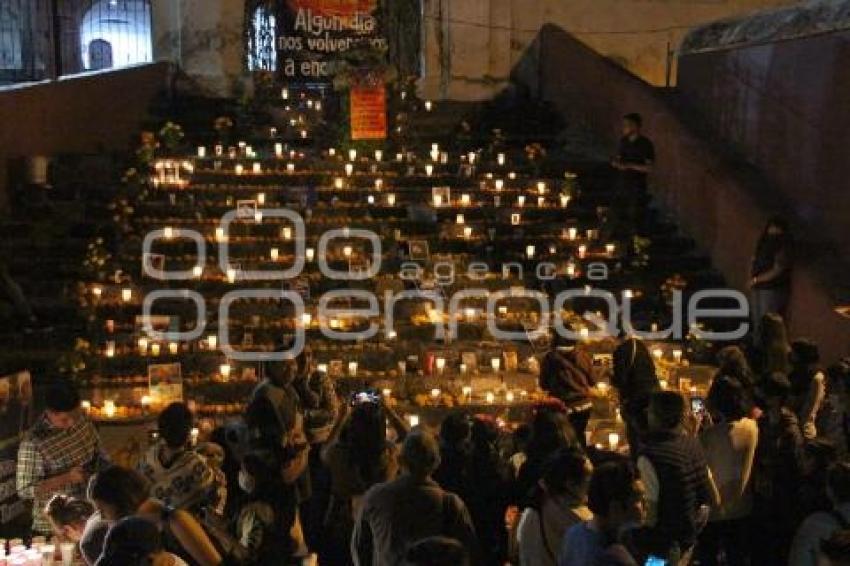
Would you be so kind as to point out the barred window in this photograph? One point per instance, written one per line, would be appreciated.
(262, 31)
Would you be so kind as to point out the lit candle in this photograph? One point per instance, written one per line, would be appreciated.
(435, 393)
(657, 353)
(628, 294)
(609, 249)
(391, 334)
(613, 440)
(503, 310)
(662, 383)
(303, 134)
(529, 251)
(399, 156)
(582, 251)
(413, 420)
(465, 199)
(284, 93)
(352, 154)
(677, 355)
(515, 219)
(467, 232)
(143, 346)
(429, 169)
(584, 333)
(126, 295)
(500, 184)
(331, 151)
(286, 232)
(110, 349)
(438, 200)
(496, 363)
(509, 396)
(278, 150)
(459, 219)
(391, 199)
(155, 349)
(541, 201)
(491, 397)
(520, 201)
(197, 271)
(500, 159)
(571, 269)
(275, 253)
(85, 406)
(306, 319)
(290, 168)
(310, 253)
(338, 183)
(572, 233)
(202, 151)
(541, 187)
(428, 105)
(370, 199)
(224, 370)
(349, 169)
(97, 291)
(565, 200)
(258, 217)
(435, 155)
(238, 169)
(219, 149)
(109, 408)
(352, 368)
(467, 391)
(379, 155)
(172, 347)
(602, 386)
(231, 275)
(219, 235)
(194, 434)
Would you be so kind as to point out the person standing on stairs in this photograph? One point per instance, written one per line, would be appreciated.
(634, 160)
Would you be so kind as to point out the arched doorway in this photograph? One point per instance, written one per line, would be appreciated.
(116, 33)
(100, 55)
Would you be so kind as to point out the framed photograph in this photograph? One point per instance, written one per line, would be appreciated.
(159, 322)
(419, 250)
(336, 369)
(246, 209)
(152, 262)
(470, 360)
(443, 195)
(510, 360)
(165, 382)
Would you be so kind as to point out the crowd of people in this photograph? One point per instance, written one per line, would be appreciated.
(759, 477)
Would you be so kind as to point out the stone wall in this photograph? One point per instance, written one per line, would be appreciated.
(713, 199)
(784, 107)
(471, 47)
(86, 113)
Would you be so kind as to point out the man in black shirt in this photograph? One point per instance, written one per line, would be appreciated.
(633, 161)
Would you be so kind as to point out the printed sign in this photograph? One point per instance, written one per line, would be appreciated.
(368, 113)
(316, 32)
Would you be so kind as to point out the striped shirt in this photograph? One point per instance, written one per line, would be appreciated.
(46, 452)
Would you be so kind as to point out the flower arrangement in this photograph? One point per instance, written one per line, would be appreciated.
(147, 148)
(171, 135)
(673, 283)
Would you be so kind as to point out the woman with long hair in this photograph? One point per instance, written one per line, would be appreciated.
(772, 346)
(358, 455)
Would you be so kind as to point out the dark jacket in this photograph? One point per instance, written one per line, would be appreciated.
(568, 376)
